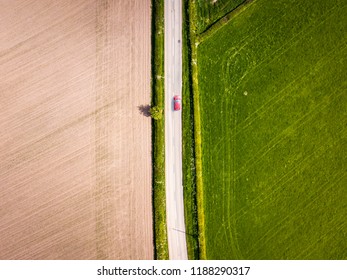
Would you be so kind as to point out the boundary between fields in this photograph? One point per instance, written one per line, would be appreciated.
(220, 22)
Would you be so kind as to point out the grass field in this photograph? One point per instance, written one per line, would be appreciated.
(210, 11)
(272, 93)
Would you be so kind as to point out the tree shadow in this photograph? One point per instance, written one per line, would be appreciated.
(145, 110)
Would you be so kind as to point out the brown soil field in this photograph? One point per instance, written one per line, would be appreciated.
(75, 150)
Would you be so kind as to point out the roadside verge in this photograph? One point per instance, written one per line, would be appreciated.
(193, 43)
(188, 145)
(158, 133)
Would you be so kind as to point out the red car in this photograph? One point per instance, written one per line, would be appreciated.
(177, 102)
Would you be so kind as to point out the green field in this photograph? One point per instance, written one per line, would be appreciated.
(273, 111)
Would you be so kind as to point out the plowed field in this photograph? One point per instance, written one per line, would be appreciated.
(75, 164)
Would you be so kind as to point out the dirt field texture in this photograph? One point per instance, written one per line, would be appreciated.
(75, 164)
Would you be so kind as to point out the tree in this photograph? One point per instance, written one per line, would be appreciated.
(156, 112)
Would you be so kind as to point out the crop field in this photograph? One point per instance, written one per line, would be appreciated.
(272, 92)
(75, 145)
(211, 10)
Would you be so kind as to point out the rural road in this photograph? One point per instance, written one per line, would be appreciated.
(173, 131)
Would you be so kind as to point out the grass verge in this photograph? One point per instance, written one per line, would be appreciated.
(158, 133)
(188, 146)
(190, 7)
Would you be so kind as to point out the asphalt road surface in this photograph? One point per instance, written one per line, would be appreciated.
(173, 131)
